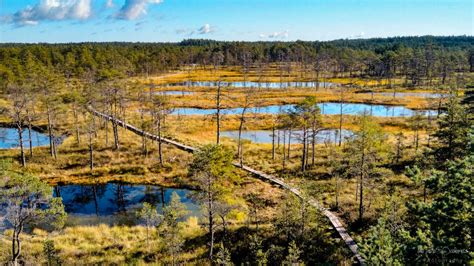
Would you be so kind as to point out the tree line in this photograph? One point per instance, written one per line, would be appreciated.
(420, 60)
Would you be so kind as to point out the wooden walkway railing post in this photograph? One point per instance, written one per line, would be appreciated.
(336, 223)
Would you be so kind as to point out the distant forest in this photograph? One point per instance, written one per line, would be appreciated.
(418, 59)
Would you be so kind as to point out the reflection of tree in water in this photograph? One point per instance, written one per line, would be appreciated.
(81, 195)
(57, 191)
(96, 204)
(120, 197)
(3, 135)
(151, 196)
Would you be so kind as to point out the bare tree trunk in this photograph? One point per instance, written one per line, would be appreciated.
(284, 155)
(30, 138)
(91, 152)
(340, 126)
(303, 158)
(289, 143)
(239, 145)
(218, 114)
(50, 133)
(240, 152)
(106, 133)
(313, 144)
(144, 139)
(76, 122)
(273, 143)
(16, 244)
(278, 139)
(211, 219)
(20, 141)
(160, 149)
(361, 185)
(116, 137)
(416, 140)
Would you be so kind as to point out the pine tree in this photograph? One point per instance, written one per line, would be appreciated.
(293, 257)
(364, 153)
(453, 135)
(51, 254)
(379, 247)
(441, 229)
(172, 214)
(150, 218)
(212, 170)
(223, 256)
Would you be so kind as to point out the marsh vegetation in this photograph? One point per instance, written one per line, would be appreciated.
(377, 131)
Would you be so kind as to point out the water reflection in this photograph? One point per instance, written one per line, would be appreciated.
(9, 138)
(330, 108)
(265, 136)
(249, 84)
(115, 203)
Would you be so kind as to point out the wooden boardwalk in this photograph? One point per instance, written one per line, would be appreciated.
(336, 223)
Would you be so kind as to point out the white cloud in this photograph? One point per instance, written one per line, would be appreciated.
(133, 9)
(276, 35)
(52, 10)
(205, 29)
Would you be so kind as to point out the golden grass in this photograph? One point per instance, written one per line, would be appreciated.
(103, 244)
(125, 245)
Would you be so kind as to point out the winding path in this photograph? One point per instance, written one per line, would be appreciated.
(336, 223)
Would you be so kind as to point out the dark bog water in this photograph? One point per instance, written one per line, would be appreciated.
(265, 136)
(116, 203)
(326, 108)
(249, 84)
(9, 138)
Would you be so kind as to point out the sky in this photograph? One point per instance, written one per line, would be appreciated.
(61, 21)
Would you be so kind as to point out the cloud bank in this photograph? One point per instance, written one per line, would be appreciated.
(58, 10)
(51, 10)
(133, 9)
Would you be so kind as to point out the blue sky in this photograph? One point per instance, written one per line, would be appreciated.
(250, 20)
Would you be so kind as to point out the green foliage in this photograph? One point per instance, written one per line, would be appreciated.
(379, 247)
(50, 253)
(257, 255)
(212, 169)
(366, 149)
(288, 222)
(293, 257)
(453, 135)
(442, 227)
(174, 212)
(296, 221)
(149, 215)
(223, 256)
(418, 58)
(28, 200)
(306, 113)
(364, 153)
